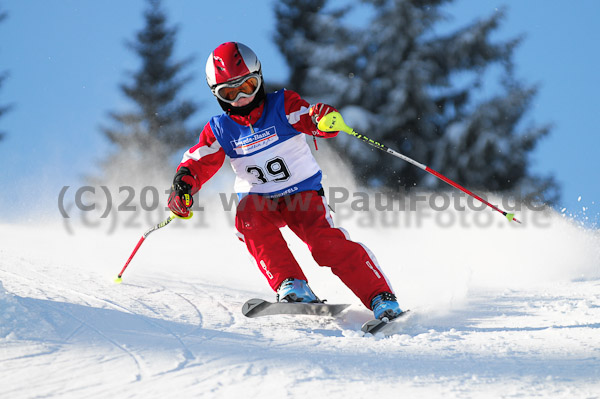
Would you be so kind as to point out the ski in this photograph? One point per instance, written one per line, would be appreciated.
(381, 326)
(259, 307)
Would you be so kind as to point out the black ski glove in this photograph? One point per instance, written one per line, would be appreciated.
(180, 199)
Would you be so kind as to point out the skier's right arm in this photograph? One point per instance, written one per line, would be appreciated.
(198, 165)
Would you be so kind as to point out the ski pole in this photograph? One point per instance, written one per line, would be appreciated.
(333, 122)
(162, 224)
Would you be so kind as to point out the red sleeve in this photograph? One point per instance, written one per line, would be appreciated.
(204, 159)
(296, 111)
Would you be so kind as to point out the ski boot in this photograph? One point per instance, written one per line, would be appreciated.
(384, 305)
(294, 290)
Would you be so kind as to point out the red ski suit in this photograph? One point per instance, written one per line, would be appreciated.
(259, 218)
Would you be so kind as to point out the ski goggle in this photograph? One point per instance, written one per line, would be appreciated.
(230, 92)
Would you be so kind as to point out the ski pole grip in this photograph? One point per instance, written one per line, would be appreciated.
(333, 122)
(173, 216)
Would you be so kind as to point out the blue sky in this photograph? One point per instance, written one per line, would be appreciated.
(66, 59)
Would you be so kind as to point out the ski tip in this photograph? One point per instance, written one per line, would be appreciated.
(252, 306)
(376, 326)
(118, 280)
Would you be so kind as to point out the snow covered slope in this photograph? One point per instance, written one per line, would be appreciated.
(498, 311)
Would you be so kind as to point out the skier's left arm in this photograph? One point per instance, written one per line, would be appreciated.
(304, 117)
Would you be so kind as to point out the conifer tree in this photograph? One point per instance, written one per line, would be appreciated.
(307, 33)
(3, 75)
(147, 136)
(400, 82)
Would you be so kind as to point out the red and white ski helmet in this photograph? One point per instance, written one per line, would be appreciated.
(230, 61)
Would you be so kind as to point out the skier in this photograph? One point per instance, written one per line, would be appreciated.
(278, 182)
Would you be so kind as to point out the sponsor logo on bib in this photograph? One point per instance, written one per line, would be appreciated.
(255, 141)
